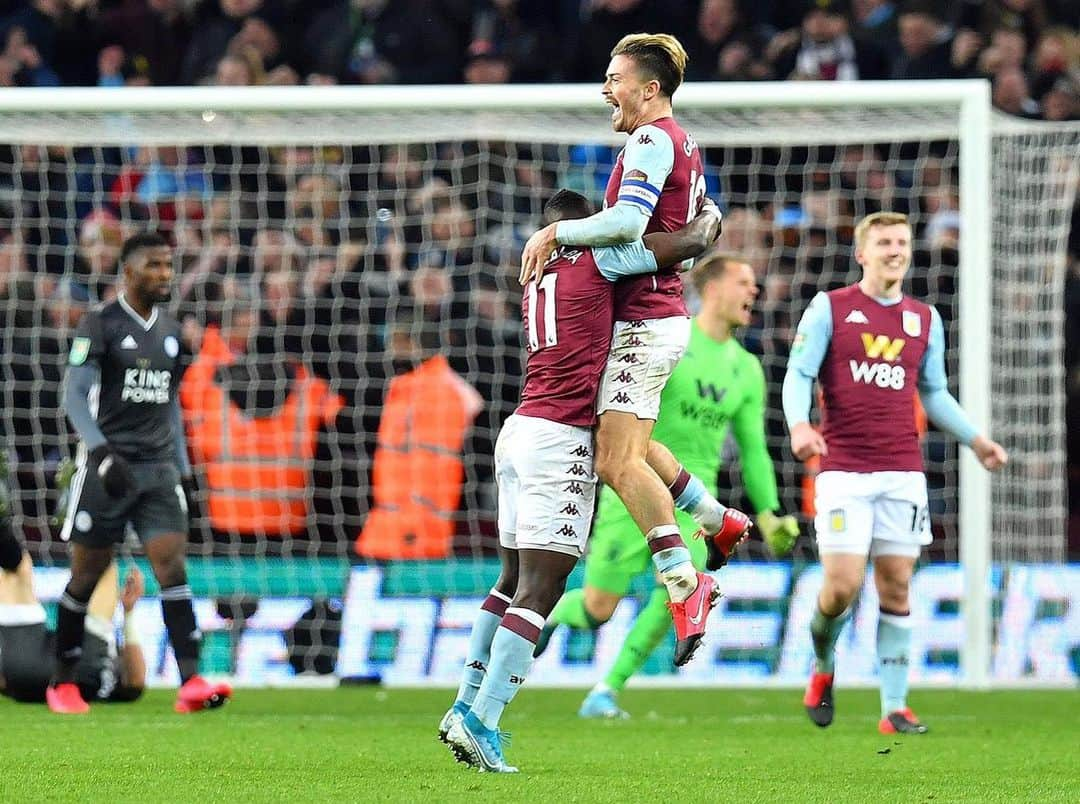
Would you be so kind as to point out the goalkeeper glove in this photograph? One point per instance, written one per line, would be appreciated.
(65, 471)
(779, 532)
(115, 473)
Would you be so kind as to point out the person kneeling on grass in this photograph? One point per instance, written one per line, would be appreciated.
(105, 672)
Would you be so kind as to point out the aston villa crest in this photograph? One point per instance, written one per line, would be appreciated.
(912, 324)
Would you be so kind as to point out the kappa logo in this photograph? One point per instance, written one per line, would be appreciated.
(636, 324)
(577, 469)
(621, 398)
(634, 340)
(566, 530)
(580, 451)
(645, 139)
(128, 343)
(624, 376)
(856, 317)
(630, 358)
(570, 509)
(689, 146)
(573, 487)
(476, 664)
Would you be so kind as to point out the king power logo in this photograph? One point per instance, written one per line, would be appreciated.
(146, 385)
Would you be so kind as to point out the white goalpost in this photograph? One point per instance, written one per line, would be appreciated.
(391, 204)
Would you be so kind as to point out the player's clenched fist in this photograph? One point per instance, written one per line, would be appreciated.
(990, 453)
(807, 442)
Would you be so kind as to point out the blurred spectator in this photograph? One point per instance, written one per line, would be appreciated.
(1056, 55)
(1027, 17)
(607, 22)
(487, 64)
(520, 36)
(1062, 102)
(240, 68)
(418, 471)
(22, 64)
(925, 43)
(213, 34)
(723, 46)
(875, 21)
(152, 37)
(824, 49)
(380, 42)
(1011, 93)
(96, 258)
(1007, 51)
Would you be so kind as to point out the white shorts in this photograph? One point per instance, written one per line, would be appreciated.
(642, 357)
(872, 513)
(547, 488)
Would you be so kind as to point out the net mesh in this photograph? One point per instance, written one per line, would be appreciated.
(332, 249)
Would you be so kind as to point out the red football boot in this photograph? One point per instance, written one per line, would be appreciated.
(65, 699)
(818, 699)
(198, 694)
(735, 528)
(902, 721)
(690, 617)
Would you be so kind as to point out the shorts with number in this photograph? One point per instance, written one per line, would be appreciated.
(154, 506)
(642, 357)
(547, 488)
(872, 513)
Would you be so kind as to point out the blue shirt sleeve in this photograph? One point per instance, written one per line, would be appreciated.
(807, 351)
(941, 406)
(812, 337)
(648, 159)
(932, 368)
(628, 259)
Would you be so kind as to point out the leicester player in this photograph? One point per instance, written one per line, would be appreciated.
(120, 394)
(544, 467)
(657, 185)
(716, 385)
(870, 348)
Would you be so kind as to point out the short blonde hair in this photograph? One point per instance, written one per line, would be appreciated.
(712, 265)
(862, 228)
(657, 56)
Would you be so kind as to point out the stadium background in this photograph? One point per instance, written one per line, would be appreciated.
(337, 264)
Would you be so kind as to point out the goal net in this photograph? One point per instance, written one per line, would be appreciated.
(330, 243)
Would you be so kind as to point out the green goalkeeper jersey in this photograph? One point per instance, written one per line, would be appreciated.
(714, 386)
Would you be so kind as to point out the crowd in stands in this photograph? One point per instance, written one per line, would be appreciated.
(1028, 48)
(318, 275)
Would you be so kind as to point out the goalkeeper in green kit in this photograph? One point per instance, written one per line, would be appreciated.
(716, 384)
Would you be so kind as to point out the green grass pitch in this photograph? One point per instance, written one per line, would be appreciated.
(367, 744)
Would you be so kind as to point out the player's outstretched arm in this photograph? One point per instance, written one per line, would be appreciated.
(132, 660)
(942, 408)
(648, 160)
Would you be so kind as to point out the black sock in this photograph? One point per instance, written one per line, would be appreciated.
(70, 629)
(184, 636)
